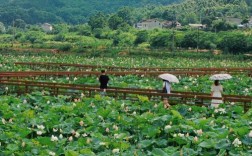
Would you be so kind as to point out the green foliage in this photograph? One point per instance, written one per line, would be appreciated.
(162, 39)
(98, 20)
(233, 42)
(141, 36)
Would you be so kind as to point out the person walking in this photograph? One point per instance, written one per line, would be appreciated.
(166, 89)
(216, 91)
(103, 79)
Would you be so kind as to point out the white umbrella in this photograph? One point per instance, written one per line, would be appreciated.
(220, 77)
(169, 77)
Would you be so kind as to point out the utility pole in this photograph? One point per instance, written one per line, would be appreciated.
(198, 39)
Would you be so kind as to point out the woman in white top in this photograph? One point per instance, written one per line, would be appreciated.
(216, 91)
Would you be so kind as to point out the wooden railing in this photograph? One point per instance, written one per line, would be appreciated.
(82, 67)
(175, 97)
(97, 73)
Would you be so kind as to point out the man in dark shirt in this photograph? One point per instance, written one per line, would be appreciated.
(103, 79)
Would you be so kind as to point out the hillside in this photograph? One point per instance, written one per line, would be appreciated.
(194, 11)
(74, 12)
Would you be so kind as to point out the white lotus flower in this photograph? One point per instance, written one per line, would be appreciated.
(70, 138)
(39, 132)
(75, 78)
(116, 150)
(181, 135)
(250, 134)
(134, 113)
(41, 127)
(23, 144)
(155, 106)
(175, 135)
(25, 101)
(55, 129)
(232, 103)
(54, 138)
(52, 153)
(77, 135)
(187, 134)
(10, 120)
(3, 121)
(6, 88)
(237, 142)
(48, 102)
(222, 110)
(61, 136)
(61, 131)
(199, 132)
(84, 135)
(102, 143)
(82, 95)
(186, 87)
(195, 139)
(81, 123)
(67, 78)
(190, 109)
(115, 127)
(168, 127)
(107, 130)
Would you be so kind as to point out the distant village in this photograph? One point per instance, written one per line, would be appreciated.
(149, 24)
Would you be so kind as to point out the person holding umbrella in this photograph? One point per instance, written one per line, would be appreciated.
(167, 80)
(217, 89)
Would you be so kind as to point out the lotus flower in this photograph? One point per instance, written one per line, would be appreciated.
(61, 136)
(52, 153)
(195, 139)
(39, 132)
(81, 123)
(77, 135)
(70, 138)
(41, 127)
(168, 127)
(237, 142)
(250, 134)
(54, 138)
(116, 150)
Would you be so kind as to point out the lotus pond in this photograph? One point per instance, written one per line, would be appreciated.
(40, 124)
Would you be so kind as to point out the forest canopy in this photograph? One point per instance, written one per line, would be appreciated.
(79, 12)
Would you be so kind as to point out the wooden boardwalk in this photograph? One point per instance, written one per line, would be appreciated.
(190, 98)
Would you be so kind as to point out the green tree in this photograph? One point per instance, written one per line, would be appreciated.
(98, 20)
(19, 23)
(234, 42)
(115, 21)
(161, 40)
(141, 36)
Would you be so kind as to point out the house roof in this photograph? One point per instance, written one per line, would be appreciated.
(196, 25)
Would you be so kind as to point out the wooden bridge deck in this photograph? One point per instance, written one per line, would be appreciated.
(175, 97)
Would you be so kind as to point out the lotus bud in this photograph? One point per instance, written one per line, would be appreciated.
(70, 138)
(81, 123)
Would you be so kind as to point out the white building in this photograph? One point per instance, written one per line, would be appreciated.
(47, 27)
(149, 24)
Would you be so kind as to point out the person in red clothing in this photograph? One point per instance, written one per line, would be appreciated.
(103, 79)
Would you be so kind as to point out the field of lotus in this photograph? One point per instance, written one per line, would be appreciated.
(40, 124)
